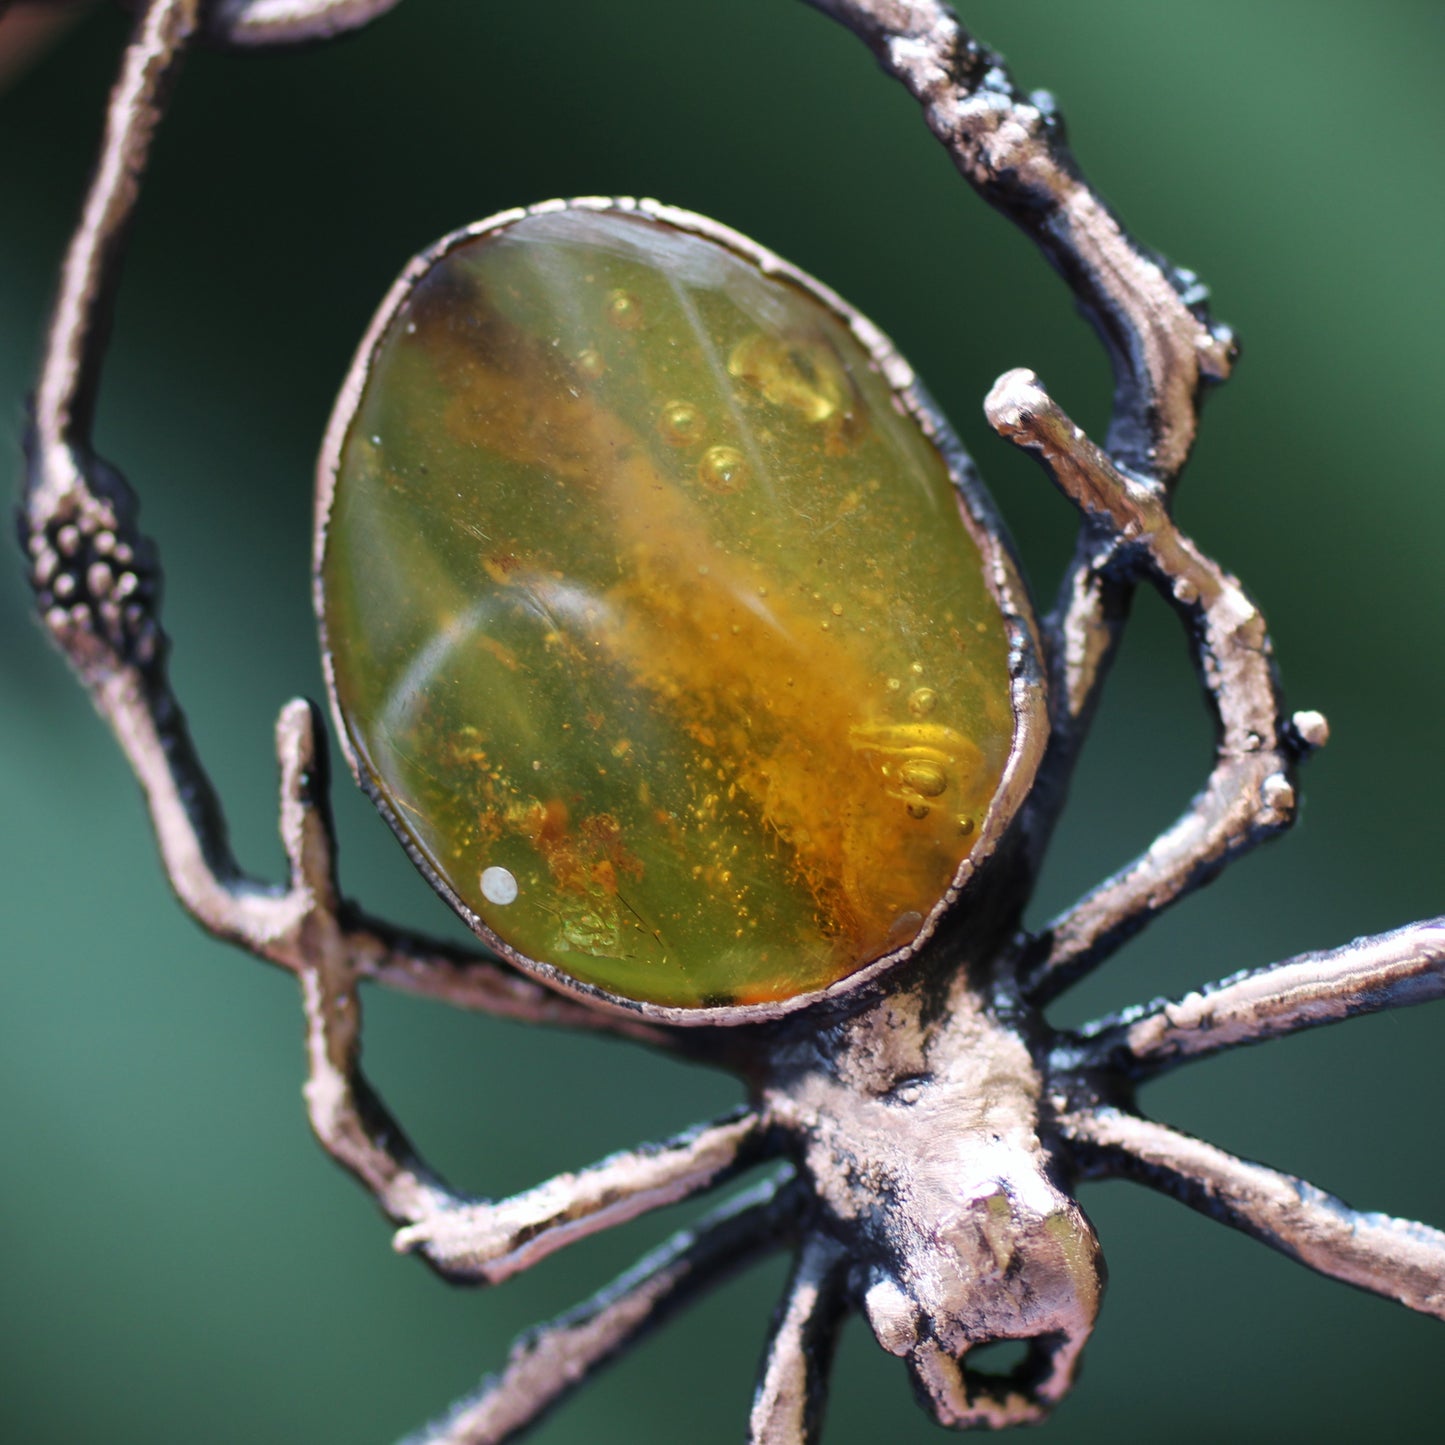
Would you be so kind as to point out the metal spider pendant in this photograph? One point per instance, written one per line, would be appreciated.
(671, 631)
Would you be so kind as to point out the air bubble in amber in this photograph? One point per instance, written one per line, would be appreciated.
(681, 424)
(628, 548)
(722, 469)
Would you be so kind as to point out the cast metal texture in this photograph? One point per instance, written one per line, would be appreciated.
(924, 1128)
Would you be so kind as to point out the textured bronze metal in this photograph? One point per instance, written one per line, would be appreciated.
(928, 1127)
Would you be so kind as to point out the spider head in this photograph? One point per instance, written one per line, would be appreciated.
(921, 1139)
(1006, 1259)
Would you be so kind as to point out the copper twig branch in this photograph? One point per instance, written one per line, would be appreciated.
(547, 1364)
(788, 1403)
(97, 594)
(1151, 316)
(65, 395)
(96, 584)
(1250, 793)
(1397, 1258)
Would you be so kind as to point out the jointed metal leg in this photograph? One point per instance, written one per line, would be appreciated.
(1151, 317)
(962, 1401)
(490, 1242)
(1250, 793)
(1389, 970)
(548, 1363)
(463, 1238)
(347, 1117)
(788, 1403)
(1393, 1257)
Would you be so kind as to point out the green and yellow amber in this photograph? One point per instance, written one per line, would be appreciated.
(654, 621)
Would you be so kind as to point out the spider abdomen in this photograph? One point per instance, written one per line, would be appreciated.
(657, 627)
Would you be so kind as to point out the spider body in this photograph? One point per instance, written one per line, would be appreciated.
(728, 752)
(919, 1127)
(924, 1124)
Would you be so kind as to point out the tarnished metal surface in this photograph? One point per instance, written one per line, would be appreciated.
(927, 1126)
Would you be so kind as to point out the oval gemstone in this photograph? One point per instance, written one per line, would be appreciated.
(655, 625)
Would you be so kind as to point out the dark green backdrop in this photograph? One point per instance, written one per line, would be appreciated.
(180, 1262)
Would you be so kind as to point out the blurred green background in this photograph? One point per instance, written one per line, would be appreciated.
(180, 1262)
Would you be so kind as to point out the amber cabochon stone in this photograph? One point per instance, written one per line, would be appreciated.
(654, 623)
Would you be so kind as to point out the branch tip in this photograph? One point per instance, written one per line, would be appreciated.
(305, 827)
(1311, 731)
(1012, 399)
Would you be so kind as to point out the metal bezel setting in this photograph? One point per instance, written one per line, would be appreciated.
(1028, 699)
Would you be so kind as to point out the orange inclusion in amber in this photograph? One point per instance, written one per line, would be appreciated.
(644, 596)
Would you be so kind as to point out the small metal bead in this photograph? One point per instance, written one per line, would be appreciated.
(98, 578)
(1312, 728)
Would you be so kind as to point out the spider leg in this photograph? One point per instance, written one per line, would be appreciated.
(960, 1400)
(1152, 317)
(1010, 147)
(792, 1389)
(463, 1238)
(548, 1363)
(97, 587)
(1250, 794)
(1388, 970)
(1396, 1258)
(488, 1242)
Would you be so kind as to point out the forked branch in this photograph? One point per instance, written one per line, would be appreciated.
(1396, 1258)
(1009, 147)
